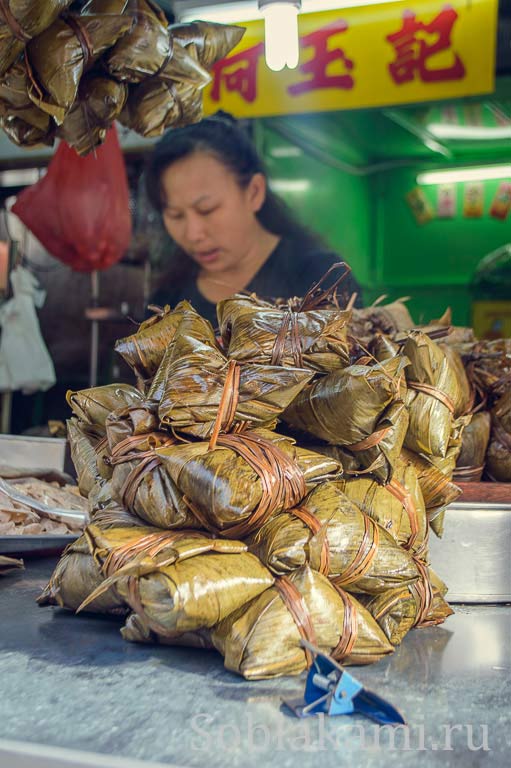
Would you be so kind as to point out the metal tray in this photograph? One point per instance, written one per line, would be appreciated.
(473, 557)
(35, 546)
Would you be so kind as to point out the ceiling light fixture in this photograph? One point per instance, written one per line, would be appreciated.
(239, 11)
(480, 173)
(281, 43)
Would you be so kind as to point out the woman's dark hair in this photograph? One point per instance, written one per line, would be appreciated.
(224, 138)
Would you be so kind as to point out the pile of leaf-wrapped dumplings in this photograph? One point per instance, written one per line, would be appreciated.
(272, 484)
(68, 69)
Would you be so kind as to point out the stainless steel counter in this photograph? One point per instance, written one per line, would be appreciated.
(71, 681)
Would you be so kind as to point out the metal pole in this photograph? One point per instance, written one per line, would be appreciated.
(94, 341)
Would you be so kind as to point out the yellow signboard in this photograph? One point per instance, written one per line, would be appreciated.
(370, 56)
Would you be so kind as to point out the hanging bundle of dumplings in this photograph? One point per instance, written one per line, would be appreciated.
(69, 70)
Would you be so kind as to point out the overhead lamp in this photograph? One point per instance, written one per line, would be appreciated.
(239, 11)
(469, 132)
(480, 173)
(281, 43)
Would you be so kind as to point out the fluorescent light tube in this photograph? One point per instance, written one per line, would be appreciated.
(281, 44)
(480, 173)
(475, 132)
(231, 13)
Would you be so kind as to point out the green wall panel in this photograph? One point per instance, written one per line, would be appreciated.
(433, 262)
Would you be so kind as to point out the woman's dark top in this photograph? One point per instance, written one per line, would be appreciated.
(289, 271)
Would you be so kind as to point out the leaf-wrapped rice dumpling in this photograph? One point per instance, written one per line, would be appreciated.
(268, 335)
(158, 104)
(488, 366)
(435, 395)
(388, 319)
(205, 392)
(437, 488)
(20, 21)
(59, 56)
(332, 535)
(87, 452)
(465, 402)
(145, 349)
(19, 126)
(136, 631)
(99, 102)
(398, 507)
(142, 485)
(498, 457)
(195, 593)
(210, 42)
(133, 421)
(262, 639)
(474, 443)
(148, 50)
(420, 604)
(346, 407)
(93, 405)
(75, 577)
(234, 488)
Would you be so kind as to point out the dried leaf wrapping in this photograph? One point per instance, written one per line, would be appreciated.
(437, 488)
(75, 577)
(332, 535)
(420, 604)
(133, 421)
(262, 639)
(142, 485)
(344, 408)
(195, 593)
(149, 50)
(488, 366)
(20, 129)
(158, 104)
(20, 21)
(234, 488)
(498, 457)
(398, 507)
(203, 390)
(145, 349)
(474, 443)
(380, 458)
(435, 395)
(93, 405)
(62, 53)
(99, 102)
(253, 332)
(210, 41)
(389, 319)
(465, 401)
(87, 451)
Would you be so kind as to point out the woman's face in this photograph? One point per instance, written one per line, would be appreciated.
(208, 214)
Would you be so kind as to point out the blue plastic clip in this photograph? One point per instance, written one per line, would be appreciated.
(331, 690)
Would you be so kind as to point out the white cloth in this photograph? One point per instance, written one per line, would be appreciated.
(24, 360)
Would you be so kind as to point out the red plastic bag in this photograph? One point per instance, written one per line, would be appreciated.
(79, 210)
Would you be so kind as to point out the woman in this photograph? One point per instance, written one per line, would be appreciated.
(233, 233)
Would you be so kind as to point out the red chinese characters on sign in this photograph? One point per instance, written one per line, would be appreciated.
(317, 68)
(413, 51)
(238, 73)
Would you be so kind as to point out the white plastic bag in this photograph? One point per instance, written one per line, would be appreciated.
(24, 360)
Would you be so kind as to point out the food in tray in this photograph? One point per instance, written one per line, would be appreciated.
(30, 506)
